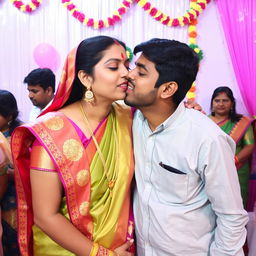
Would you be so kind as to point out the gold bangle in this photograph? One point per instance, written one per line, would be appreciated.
(94, 250)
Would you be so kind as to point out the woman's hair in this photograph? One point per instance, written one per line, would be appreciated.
(234, 117)
(89, 53)
(8, 107)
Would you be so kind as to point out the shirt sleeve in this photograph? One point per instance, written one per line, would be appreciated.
(40, 159)
(218, 171)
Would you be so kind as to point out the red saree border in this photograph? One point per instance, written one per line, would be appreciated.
(240, 128)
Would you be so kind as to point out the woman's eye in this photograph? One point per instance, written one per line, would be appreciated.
(113, 68)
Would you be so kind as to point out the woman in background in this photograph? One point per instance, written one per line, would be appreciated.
(223, 108)
(8, 122)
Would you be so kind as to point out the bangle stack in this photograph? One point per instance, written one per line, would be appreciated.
(98, 250)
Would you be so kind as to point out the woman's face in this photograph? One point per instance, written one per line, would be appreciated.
(109, 81)
(4, 123)
(222, 104)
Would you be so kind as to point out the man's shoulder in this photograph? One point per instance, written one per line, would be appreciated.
(202, 124)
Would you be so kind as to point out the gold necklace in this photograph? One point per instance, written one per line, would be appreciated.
(111, 182)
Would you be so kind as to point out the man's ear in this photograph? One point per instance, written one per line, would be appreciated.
(49, 90)
(85, 79)
(168, 89)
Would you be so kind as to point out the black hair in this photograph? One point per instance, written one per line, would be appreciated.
(234, 117)
(89, 53)
(8, 107)
(174, 61)
(43, 77)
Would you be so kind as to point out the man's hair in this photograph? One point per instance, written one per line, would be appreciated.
(174, 61)
(41, 76)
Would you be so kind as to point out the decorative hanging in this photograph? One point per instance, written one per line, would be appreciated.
(98, 24)
(196, 7)
(30, 7)
(192, 41)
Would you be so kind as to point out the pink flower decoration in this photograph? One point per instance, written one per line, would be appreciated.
(111, 21)
(127, 4)
(166, 21)
(101, 24)
(116, 18)
(121, 10)
(153, 12)
(28, 8)
(90, 22)
(185, 20)
(147, 6)
(175, 22)
(71, 7)
(159, 17)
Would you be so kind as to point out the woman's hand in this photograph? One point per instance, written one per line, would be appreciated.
(123, 249)
(194, 105)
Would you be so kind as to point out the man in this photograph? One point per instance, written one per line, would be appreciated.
(187, 200)
(41, 87)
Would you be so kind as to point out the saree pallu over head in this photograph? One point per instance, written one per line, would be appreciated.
(101, 213)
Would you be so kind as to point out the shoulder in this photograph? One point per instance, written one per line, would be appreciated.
(203, 125)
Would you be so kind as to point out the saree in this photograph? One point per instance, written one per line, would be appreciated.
(242, 133)
(101, 213)
(9, 206)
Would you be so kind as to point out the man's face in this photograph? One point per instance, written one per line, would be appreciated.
(141, 83)
(38, 96)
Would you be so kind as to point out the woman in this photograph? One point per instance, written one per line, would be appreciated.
(223, 108)
(75, 162)
(8, 122)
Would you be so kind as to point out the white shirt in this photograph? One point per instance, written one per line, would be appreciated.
(36, 111)
(199, 212)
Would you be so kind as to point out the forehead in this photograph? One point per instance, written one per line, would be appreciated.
(222, 95)
(115, 51)
(34, 87)
(149, 65)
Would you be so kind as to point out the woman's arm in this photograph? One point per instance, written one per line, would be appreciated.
(46, 198)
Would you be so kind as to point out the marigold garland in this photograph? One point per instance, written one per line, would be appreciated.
(30, 7)
(196, 7)
(98, 24)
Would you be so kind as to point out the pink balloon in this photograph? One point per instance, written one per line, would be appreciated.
(46, 56)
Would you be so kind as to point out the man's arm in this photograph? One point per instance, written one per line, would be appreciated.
(223, 190)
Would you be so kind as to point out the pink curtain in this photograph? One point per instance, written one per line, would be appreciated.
(239, 24)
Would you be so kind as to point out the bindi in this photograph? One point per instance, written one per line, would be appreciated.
(122, 56)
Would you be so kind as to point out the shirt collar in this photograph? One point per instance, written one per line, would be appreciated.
(169, 121)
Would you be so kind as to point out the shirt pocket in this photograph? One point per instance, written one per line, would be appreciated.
(170, 187)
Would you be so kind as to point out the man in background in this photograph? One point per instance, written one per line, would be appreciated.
(41, 87)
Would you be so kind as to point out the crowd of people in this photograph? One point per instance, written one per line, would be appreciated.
(148, 177)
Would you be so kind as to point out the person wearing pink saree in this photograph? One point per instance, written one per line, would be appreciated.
(74, 164)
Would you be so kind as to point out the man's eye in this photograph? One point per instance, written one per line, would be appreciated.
(141, 74)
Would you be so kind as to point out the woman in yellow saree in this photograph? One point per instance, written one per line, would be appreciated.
(74, 164)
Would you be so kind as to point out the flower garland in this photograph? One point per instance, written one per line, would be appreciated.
(196, 7)
(30, 7)
(98, 24)
(192, 36)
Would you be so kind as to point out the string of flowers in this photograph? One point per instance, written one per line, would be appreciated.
(30, 7)
(192, 41)
(196, 7)
(98, 24)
